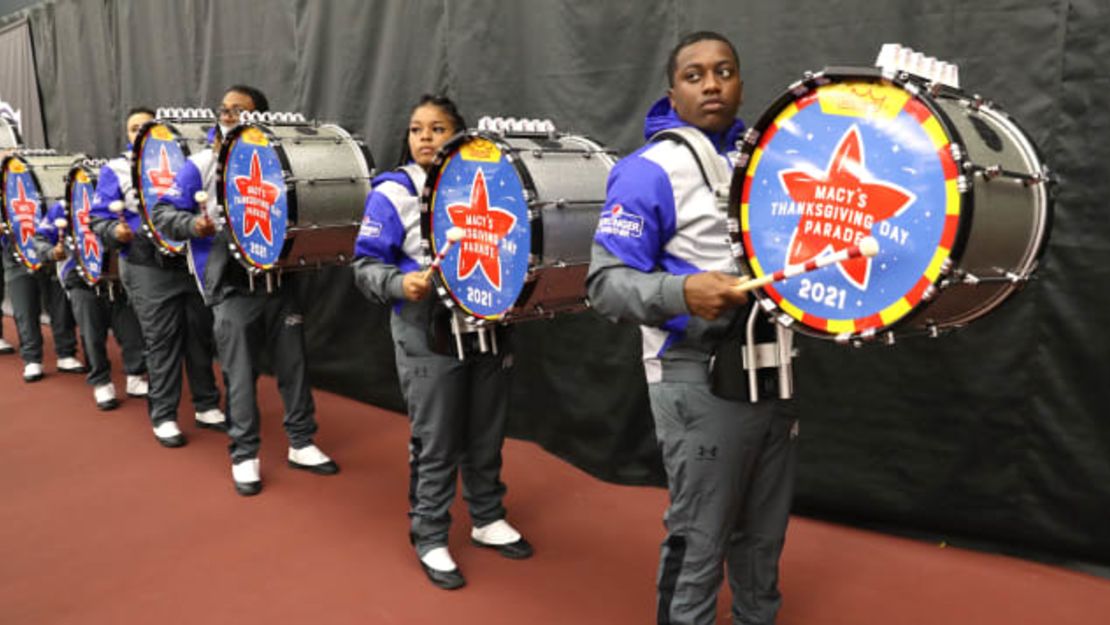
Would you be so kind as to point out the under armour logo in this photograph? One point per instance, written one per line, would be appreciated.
(707, 453)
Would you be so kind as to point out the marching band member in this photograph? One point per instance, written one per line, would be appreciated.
(175, 323)
(457, 408)
(246, 320)
(95, 314)
(661, 258)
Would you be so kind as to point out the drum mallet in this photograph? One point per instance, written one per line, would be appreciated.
(454, 235)
(867, 248)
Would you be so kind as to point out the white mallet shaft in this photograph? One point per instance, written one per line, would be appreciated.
(867, 247)
(454, 235)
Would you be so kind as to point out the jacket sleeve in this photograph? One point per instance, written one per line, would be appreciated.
(626, 280)
(46, 233)
(176, 210)
(378, 251)
(101, 219)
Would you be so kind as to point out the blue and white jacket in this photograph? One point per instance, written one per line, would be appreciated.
(388, 242)
(114, 183)
(661, 223)
(175, 213)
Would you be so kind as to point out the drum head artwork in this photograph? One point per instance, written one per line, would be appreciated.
(21, 207)
(479, 190)
(88, 251)
(160, 158)
(254, 196)
(832, 164)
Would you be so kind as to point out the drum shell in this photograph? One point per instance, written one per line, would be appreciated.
(326, 174)
(1010, 220)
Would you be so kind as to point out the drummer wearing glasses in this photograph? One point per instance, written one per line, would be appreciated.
(247, 320)
(457, 408)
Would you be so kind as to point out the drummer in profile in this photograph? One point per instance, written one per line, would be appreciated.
(457, 408)
(96, 313)
(247, 319)
(175, 324)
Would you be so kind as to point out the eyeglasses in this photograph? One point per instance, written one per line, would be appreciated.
(234, 111)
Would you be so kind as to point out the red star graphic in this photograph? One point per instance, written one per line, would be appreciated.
(485, 226)
(162, 177)
(24, 211)
(842, 207)
(258, 196)
(91, 243)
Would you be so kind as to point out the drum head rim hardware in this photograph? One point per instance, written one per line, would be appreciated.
(803, 88)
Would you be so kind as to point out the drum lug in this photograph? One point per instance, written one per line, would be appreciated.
(888, 338)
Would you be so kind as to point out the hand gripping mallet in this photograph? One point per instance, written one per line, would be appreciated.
(454, 235)
(867, 247)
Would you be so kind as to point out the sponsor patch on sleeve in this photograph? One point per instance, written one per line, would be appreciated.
(618, 222)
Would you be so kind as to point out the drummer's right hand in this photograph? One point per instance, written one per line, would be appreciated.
(122, 232)
(416, 286)
(203, 226)
(710, 293)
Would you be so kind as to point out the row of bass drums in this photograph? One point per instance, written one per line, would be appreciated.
(953, 189)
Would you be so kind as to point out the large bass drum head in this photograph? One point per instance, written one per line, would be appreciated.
(480, 187)
(81, 186)
(22, 198)
(835, 159)
(253, 195)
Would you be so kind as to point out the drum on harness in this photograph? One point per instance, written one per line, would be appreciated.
(160, 150)
(94, 262)
(291, 192)
(30, 181)
(954, 191)
(526, 198)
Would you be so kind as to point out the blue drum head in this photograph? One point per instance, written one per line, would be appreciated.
(160, 158)
(22, 199)
(254, 196)
(479, 190)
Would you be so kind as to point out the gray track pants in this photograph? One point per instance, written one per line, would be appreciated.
(176, 325)
(730, 472)
(95, 316)
(245, 325)
(458, 411)
(27, 291)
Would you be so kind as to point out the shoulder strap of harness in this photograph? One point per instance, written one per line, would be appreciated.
(716, 174)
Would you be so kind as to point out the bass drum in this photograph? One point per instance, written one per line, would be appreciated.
(954, 191)
(528, 203)
(94, 262)
(160, 151)
(31, 180)
(291, 192)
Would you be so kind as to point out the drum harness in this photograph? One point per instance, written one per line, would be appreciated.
(776, 354)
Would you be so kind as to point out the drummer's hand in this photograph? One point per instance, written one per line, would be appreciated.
(710, 293)
(416, 286)
(59, 251)
(203, 226)
(122, 232)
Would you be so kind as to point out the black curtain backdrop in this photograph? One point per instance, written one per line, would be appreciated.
(998, 432)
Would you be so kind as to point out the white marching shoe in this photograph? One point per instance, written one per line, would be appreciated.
(503, 537)
(69, 364)
(247, 477)
(212, 419)
(137, 386)
(32, 372)
(6, 347)
(105, 396)
(169, 435)
(311, 459)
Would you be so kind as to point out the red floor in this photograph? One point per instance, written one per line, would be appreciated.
(99, 524)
